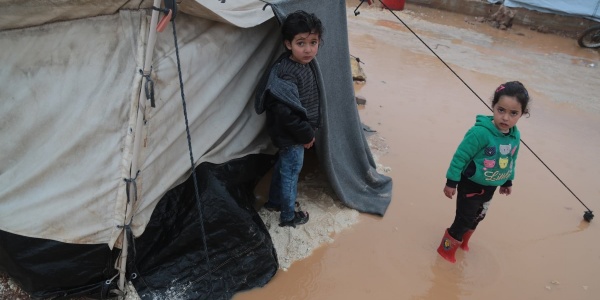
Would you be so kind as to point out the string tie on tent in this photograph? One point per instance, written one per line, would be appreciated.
(130, 239)
(130, 182)
(149, 87)
(162, 10)
(131, 262)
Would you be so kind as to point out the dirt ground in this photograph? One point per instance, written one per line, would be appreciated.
(534, 243)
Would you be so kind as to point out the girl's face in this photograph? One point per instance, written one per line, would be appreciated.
(304, 47)
(507, 112)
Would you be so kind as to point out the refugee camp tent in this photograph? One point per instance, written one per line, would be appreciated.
(98, 113)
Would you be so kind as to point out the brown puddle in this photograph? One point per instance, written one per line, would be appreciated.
(533, 244)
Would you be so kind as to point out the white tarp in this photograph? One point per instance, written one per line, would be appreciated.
(68, 105)
(582, 8)
(27, 13)
(75, 123)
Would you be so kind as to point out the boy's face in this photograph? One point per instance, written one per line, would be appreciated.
(304, 47)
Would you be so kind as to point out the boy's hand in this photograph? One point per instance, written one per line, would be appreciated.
(505, 190)
(449, 192)
(310, 144)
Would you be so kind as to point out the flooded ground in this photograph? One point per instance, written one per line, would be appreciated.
(534, 243)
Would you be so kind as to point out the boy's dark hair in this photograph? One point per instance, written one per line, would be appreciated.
(513, 89)
(301, 22)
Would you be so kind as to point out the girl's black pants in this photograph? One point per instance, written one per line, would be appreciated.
(472, 202)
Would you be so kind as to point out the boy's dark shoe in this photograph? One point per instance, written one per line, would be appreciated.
(300, 217)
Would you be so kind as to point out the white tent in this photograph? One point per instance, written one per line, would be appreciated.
(85, 159)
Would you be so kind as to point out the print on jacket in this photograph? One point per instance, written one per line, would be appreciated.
(485, 155)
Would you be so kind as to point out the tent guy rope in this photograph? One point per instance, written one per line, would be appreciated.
(171, 5)
(587, 215)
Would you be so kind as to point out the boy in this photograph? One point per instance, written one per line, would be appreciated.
(291, 99)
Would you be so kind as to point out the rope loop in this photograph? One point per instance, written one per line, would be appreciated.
(162, 10)
(132, 181)
(149, 87)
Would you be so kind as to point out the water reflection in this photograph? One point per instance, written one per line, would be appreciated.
(305, 283)
(447, 280)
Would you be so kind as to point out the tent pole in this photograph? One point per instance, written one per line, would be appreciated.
(138, 137)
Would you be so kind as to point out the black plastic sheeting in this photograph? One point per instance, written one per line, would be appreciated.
(168, 260)
(49, 269)
(170, 256)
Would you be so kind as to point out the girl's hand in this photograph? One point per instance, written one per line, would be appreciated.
(449, 192)
(506, 190)
(310, 144)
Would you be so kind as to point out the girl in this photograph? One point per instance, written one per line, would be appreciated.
(484, 160)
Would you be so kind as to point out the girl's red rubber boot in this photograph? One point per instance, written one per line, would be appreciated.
(465, 241)
(448, 247)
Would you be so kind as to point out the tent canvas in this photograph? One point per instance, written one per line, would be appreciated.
(88, 167)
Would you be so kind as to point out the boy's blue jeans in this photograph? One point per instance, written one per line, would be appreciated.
(284, 182)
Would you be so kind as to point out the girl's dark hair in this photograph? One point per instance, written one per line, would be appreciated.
(301, 22)
(513, 89)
